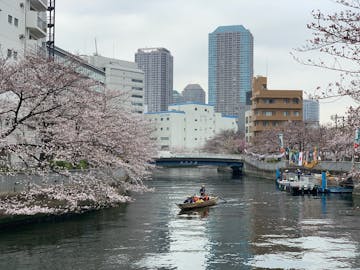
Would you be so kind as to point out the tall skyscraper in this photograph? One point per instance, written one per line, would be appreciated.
(194, 93)
(157, 64)
(311, 112)
(230, 70)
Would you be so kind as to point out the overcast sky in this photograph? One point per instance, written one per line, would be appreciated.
(182, 26)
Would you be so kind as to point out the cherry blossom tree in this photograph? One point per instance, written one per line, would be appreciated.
(54, 119)
(227, 142)
(338, 143)
(335, 42)
(296, 136)
(266, 142)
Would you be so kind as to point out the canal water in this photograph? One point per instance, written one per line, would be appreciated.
(254, 226)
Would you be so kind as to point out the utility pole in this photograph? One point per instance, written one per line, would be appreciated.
(339, 120)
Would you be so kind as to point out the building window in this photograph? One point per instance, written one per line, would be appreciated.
(164, 138)
(195, 120)
(295, 100)
(136, 80)
(286, 100)
(9, 18)
(268, 113)
(9, 53)
(16, 22)
(296, 113)
(15, 54)
(269, 101)
(286, 113)
(265, 123)
(167, 118)
(161, 119)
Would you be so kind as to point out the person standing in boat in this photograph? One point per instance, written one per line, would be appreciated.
(202, 191)
(298, 174)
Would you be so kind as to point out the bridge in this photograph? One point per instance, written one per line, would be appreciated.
(235, 162)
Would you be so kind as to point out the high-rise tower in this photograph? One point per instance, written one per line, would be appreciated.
(194, 93)
(230, 69)
(157, 64)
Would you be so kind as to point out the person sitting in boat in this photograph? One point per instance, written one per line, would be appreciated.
(195, 198)
(202, 191)
(189, 199)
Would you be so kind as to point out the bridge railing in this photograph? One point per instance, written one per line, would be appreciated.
(198, 155)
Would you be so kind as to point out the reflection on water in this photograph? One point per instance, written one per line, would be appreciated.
(188, 245)
(254, 227)
(197, 212)
(313, 250)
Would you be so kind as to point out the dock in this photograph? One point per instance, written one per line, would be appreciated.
(308, 184)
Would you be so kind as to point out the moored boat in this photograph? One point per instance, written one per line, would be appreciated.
(186, 206)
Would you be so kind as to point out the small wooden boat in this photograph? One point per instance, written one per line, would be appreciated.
(187, 206)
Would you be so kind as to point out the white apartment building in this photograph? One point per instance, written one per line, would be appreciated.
(188, 126)
(23, 27)
(123, 76)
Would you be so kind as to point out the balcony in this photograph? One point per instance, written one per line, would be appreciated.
(278, 117)
(36, 25)
(39, 5)
(277, 105)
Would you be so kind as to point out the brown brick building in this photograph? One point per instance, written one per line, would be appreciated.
(271, 108)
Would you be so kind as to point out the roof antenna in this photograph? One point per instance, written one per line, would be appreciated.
(96, 48)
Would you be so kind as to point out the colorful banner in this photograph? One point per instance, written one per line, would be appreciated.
(300, 159)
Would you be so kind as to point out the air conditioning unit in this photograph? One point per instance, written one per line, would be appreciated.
(21, 36)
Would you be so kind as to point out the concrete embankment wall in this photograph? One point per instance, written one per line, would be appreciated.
(267, 169)
(262, 169)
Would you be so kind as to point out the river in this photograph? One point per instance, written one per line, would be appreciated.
(254, 226)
